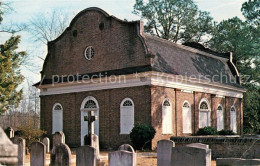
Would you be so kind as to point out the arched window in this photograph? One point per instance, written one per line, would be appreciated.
(89, 104)
(186, 117)
(166, 117)
(204, 113)
(220, 118)
(204, 105)
(57, 118)
(233, 119)
(126, 116)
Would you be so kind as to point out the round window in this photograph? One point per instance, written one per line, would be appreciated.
(89, 52)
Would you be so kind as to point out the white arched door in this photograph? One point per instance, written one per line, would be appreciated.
(57, 118)
(186, 118)
(220, 118)
(233, 119)
(126, 116)
(204, 113)
(89, 104)
(166, 117)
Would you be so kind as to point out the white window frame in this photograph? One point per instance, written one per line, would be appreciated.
(167, 113)
(220, 126)
(205, 110)
(89, 50)
(233, 127)
(123, 119)
(188, 131)
(54, 127)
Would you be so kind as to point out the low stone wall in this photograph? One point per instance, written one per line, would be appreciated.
(225, 147)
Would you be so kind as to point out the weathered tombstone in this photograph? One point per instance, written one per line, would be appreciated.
(90, 119)
(198, 145)
(91, 139)
(236, 162)
(86, 155)
(126, 147)
(8, 150)
(38, 154)
(10, 132)
(95, 144)
(227, 161)
(121, 158)
(191, 156)
(164, 151)
(249, 162)
(61, 156)
(129, 148)
(46, 142)
(21, 149)
(58, 137)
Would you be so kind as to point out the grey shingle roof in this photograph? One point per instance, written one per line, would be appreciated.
(181, 60)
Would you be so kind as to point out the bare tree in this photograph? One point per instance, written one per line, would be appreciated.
(28, 109)
(12, 28)
(46, 27)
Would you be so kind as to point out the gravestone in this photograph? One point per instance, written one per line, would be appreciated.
(58, 137)
(191, 156)
(46, 142)
(38, 154)
(198, 145)
(10, 132)
(90, 119)
(126, 147)
(129, 148)
(86, 155)
(95, 144)
(236, 162)
(61, 155)
(121, 158)
(164, 151)
(8, 150)
(91, 139)
(21, 149)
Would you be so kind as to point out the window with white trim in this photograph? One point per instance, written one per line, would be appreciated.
(204, 113)
(220, 118)
(57, 118)
(233, 119)
(166, 117)
(89, 52)
(126, 116)
(186, 118)
(90, 104)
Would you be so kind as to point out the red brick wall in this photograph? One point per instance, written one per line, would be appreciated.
(148, 103)
(109, 113)
(180, 98)
(215, 103)
(177, 97)
(117, 42)
(70, 116)
(241, 117)
(230, 101)
(158, 94)
(198, 97)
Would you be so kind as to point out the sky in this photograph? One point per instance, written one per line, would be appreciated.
(23, 10)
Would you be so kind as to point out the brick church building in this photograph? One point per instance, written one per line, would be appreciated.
(125, 76)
